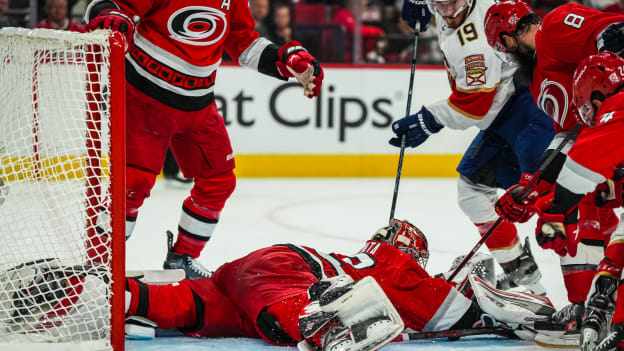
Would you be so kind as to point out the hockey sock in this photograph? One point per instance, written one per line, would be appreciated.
(577, 282)
(504, 241)
(614, 254)
(169, 306)
(195, 228)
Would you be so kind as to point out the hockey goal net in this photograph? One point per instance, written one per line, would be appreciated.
(61, 190)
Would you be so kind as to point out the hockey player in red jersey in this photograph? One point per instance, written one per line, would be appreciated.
(289, 294)
(171, 68)
(599, 100)
(549, 52)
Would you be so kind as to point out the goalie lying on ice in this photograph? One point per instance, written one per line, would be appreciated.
(289, 294)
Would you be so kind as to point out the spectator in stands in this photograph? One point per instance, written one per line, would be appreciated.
(56, 17)
(259, 12)
(345, 16)
(4, 9)
(617, 7)
(281, 27)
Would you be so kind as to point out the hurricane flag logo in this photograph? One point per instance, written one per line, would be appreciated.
(197, 25)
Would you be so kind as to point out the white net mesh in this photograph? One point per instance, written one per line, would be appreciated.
(54, 188)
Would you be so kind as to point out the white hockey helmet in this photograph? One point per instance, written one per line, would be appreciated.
(449, 8)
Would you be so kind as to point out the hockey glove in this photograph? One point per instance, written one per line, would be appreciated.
(116, 20)
(514, 208)
(417, 128)
(296, 61)
(609, 194)
(611, 38)
(416, 12)
(555, 231)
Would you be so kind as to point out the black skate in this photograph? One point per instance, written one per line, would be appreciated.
(522, 271)
(612, 340)
(600, 308)
(192, 268)
(563, 329)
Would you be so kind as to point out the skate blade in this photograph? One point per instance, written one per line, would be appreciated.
(560, 341)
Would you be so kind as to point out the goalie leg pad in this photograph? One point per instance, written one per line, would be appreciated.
(359, 315)
(512, 308)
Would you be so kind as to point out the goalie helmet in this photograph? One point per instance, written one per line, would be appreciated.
(406, 237)
(503, 18)
(596, 77)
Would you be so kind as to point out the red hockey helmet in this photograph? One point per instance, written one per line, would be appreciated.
(597, 76)
(406, 237)
(503, 17)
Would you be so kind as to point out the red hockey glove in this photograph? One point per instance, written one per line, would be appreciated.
(553, 232)
(609, 193)
(515, 209)
(295, 61)
(116, 20)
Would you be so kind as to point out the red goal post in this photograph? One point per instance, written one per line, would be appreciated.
(62, 190)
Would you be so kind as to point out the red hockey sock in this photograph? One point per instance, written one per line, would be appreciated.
(187, 245)
(614, 254)
(578, 283)
(504, 237)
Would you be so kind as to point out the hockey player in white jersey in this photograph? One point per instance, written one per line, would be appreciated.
(486, 94)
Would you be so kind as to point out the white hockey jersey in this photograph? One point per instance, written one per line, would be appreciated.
(481, 82)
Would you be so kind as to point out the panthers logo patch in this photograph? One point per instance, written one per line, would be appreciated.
(197, 25)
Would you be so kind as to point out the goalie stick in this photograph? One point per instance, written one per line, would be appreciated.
(455, 334)
(407, 112)
(541, 169)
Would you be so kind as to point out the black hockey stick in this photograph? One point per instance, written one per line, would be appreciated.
(455, 334)
(407, 112)
(541, 169)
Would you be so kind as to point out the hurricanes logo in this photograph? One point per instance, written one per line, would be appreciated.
(197, 25)
(553, 99)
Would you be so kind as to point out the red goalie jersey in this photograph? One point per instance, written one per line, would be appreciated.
(566, 36)
(178, 46)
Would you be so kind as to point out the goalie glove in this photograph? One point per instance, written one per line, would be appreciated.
(556, 231)
(296, 61)
(514, 208)
(609, 194)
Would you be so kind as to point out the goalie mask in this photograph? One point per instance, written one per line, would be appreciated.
(406, 237)
(596, 78)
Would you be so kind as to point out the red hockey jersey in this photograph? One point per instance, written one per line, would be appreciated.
(597, 150)
(178, 46)
(566, 36)
(424, 303)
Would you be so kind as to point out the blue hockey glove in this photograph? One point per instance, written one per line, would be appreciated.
(611, 38)
(417, 128)
(416, 11)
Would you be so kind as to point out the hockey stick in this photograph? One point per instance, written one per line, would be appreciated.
(455, 334)
(407, 112)
(541, 169)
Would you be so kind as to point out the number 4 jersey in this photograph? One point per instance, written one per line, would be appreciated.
(566, 36)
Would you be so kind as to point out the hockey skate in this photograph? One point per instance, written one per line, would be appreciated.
(522, 272)
(563, 329)
(613, 341)
(600, 308)
(192, 268)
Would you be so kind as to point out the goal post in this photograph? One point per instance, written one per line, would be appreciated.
(62, 190)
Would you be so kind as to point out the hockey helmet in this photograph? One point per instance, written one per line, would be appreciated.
(596, 77)
(503, 18)
(406, 237)
(449, 8)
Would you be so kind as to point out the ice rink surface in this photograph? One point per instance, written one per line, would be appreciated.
(331, 215)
